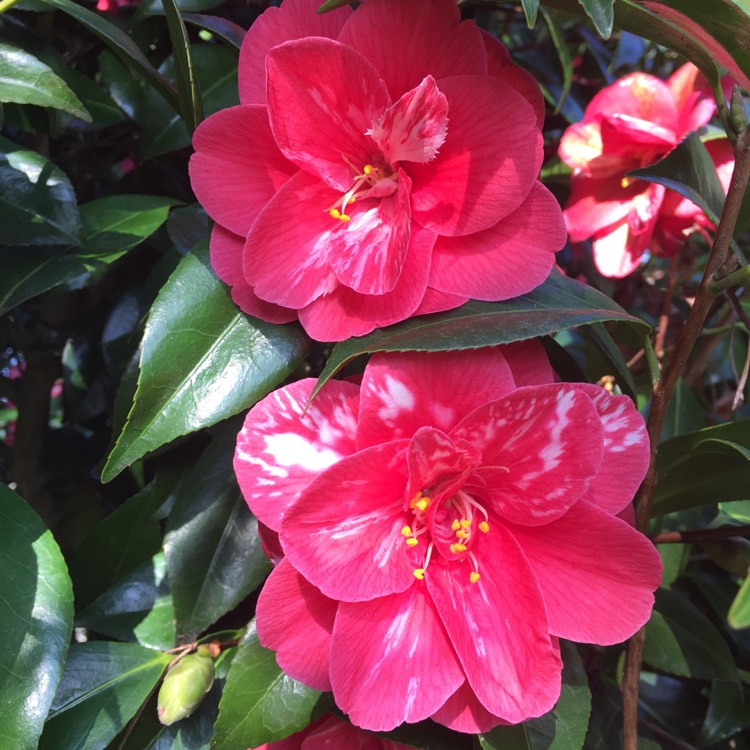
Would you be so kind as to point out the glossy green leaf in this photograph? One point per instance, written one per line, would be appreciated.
(564, 727)
(26, 80)
(610, 352)
(102, 687)
(602, 14)
(36, 620)
(682, 641)
(727, 712)
(138, 608)
(188, 93)
(156, 8)
(260, 703)
(202, 360)
(213, 550)
(530, 10)
(37, 201)
(120, 43)
(673, 452)
(120, 222)
(560, 302)
(218, 26)
(739, 612)
(563, 55)
(684, 413)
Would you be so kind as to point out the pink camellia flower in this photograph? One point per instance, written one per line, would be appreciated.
(331, 733)
(382, 163)
(442, 525)
(628, 125)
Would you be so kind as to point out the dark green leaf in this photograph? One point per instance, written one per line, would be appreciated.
(212, 545)
(727, 712)
(330, 5)
(138, 608)
(684, 413)
(560, 302)
(123, 89)
(601, 13)
(672, 452)
(120, 43)
(689, 171)
(739, 612)
(36, 619)
(120, 222)
(260, 703)
(202, 360)
(191, 107)
(681, 640)
(37, 201)
(608, 349)
(218, 26)
(26, 80)
(156, 8)
(563, 728)
(102, 687)
(530, 9)
(563, 56)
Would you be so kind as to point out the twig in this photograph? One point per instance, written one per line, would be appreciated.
(700, 535)
(662, 393)
(661, 333)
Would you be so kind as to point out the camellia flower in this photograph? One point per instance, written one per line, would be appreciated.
(442, 525)
(331, 733)
(628, 125)
(382, 163)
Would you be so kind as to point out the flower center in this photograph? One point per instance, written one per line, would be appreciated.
(450, 524)
(371, 182)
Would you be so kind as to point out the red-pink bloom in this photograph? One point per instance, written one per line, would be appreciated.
(628, 125)
(443, 524)
(113, 6)
(382, 163)
(331, 733)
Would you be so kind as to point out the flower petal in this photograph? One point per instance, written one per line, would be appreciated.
(282, 448)
(626, 450)
(344, 533)
(498, 627)
(617, 251)
(391, 660)
(511, 258)
(295, 19)
(463, 712)
(528, 362)
(630, 137)
(318, 109)
(344, 312)
(408, 41)
(597, 574)
(435, 301)
(475, 181)
(226, 250)
(542, 447)
(296, 621)
(693, 97)
(237, 167)
(402, 392)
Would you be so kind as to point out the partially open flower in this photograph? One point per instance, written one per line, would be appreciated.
(443, 524)
(382, 163)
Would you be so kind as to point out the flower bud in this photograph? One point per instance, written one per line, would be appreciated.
(737, 113)
(184, 686)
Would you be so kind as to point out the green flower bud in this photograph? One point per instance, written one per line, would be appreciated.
(184, 687)
(737, 113)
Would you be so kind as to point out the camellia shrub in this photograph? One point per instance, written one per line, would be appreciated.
(374, 374)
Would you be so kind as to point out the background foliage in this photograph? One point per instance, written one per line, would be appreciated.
(125, 365)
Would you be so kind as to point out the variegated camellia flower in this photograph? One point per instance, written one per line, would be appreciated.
(442, 524)
(382, 163)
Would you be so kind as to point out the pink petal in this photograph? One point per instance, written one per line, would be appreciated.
(281, 448)
(463, 712)
(408, 41)
(630, 136)
(618, 252)
(692, 96)
(528, 362)
(286, 256)
(511, 258)
(581, 149)
(318, 109)
(639, 95)
(475, 181)
(391, 660)
(368, 254)
(344, 313)
(336, 734)
(542, 447)
(236, 167)
(500, 65)
(295, 19)
(296, 621)
(402, 392)
(435, 301)
(344, 533)
(226, 250)
(626, 450)
(414, 128)
(597, 574)
(498, 627)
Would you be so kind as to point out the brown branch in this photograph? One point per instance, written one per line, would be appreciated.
(700, 535)
(662, 393)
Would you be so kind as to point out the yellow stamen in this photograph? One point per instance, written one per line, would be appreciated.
(626, 182)
(419, 574)
(335, 213)
(484, 526)
(474, 576)
(345, 218)
(461, 534)
(465, 524)
(455, 525)
(406, 530)
(456, 548)
(423, 504)
(367, 169)
(415, 500)
(412, 542)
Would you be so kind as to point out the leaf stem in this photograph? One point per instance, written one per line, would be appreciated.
(700, 535)
(736, 278)
(662, 393)
(722, 108)
(6, 5)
